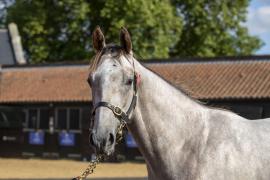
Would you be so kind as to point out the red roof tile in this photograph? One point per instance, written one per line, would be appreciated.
(203, 80)
(44, 84)
(220, 80)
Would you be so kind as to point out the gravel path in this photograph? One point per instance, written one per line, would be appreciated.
(32, 169)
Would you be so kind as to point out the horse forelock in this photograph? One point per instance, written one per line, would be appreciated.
(110, 48)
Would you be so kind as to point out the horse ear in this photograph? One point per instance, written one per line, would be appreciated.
(98, 39)
(125, 40)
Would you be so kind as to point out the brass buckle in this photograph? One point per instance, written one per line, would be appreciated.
(117, 111)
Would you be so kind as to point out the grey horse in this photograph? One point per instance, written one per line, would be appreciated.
(179, 138)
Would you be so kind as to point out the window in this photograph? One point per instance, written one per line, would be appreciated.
(14, 118)
(44, 119)
(62, 119)
(11, 118)
(74, 119)
(3, 122)
(87, 121)
(1, 118)
(68, 119)
(33, 117)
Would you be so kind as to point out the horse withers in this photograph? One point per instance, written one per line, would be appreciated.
(179, 138)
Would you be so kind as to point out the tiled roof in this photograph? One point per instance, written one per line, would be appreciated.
(220, 80)
(203, 80)
(44, 84)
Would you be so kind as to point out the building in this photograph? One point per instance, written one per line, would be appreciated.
(53, 102)
(6, 50)
(11, 51)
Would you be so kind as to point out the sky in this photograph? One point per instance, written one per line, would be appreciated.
(258, 23)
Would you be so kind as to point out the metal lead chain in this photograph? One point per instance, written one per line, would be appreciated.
(119, 135)
(93, 164)
(90, 168)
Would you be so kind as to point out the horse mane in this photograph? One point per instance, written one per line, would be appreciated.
(181, 89)
(189, 95)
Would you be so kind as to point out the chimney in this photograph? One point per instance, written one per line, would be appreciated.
(16, 43)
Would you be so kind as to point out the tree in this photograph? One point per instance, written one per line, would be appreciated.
(52, 30)
(61, 30)
(153, 24)
(4, 4)
(214, 28)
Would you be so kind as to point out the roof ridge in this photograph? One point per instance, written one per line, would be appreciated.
(253, 58)
(211, 59)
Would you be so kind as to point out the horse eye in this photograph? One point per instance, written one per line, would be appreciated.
(129, 81)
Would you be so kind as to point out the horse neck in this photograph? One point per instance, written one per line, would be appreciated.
(163, 118)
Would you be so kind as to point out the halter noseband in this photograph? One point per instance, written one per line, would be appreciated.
(117, 111)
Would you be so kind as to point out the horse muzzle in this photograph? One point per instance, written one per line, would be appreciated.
(103, 144)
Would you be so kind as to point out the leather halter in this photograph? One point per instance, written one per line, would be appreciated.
(117, 111)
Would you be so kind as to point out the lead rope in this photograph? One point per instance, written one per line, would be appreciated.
(93, 164)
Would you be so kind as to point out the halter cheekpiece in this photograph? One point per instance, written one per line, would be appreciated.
(117, 111)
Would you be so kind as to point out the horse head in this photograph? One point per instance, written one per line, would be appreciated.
(112, 79)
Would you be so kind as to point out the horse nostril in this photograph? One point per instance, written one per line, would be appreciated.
(111, 138)
(92, 139)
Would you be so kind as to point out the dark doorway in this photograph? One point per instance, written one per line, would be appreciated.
(11, 135)
(39, 132)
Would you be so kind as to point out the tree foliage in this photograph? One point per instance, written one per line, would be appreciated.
(214, 28)
(52, 30)
(4, 4)
(153, 24)
(61, 30)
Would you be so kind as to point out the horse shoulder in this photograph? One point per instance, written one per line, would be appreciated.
(234, 147)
